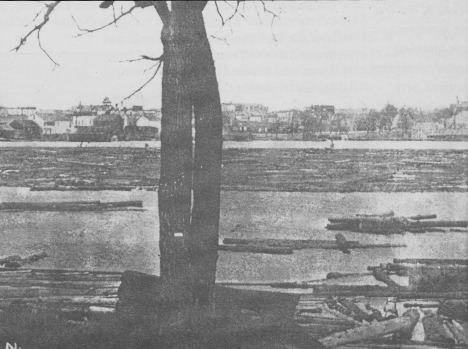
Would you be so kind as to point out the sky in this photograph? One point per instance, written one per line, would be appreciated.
(349, 54)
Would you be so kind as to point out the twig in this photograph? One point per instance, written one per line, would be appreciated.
(144, 57)
(50, 9)
(40, 45)
(219, 13)
(113, 13)
(87, 31)
(220, 39)
(146, 83)
(236, 10)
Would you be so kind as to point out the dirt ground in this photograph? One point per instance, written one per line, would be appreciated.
(345, 170)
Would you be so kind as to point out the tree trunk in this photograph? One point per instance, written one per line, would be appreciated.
(189, 227)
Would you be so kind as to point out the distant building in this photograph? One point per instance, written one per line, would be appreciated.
(20, 111)
(83, 120)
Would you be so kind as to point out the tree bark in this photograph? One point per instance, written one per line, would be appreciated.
(189, 227)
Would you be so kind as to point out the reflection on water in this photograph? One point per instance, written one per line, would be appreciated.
(129, 240)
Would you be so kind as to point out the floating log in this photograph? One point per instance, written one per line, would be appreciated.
(380, 275)
(256, 249)
(445, 224)
(282, 242)
(326, 321)
(84, 188)
(421, 305)
(456, 230)
(82, 300)
(342, 243)
(304, 312)
(336, 275)
(422, 216)
(388, 225)
(459, 335)
(81, 163)
(379, 291)
(434, 329)
(67, 206)
(358, 313)
(406, 323)
(431, 261)
(258, 244)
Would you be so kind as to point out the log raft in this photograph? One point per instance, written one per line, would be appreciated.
(68, 205)
(62, 290)
(287, 246)
(379, 224)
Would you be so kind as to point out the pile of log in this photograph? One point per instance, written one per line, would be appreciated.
(287, 246)
(387, 224)
(71, 294)
(340, 321)
(69, 206)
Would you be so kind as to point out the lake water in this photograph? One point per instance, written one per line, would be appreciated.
(129, 239)
(263, 144)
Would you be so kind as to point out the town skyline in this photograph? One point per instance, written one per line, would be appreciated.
(362, 61)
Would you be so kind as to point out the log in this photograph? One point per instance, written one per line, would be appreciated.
(82, 300)
(459, 336)
(256, 249)
(336, 275)
(326, 321)
(342, 243)
(281, 242)
(434, 329)
(433, 224)
(432, 261)
(358, 313)
(84, 188)
(422, 216)
(305, 311)
(67, 206)
(379, 291)
(380, 275)
(406, 323)
(81, 163)
(421, 305)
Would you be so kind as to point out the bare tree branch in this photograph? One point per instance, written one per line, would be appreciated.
(274, 15)
(144, 57)
(50, 9)
(146, 83)
(219, 13)
(220, 39)
(163, 11)
(258, 14)
(40, 46)
(113, 13)
(236, 10)
(37, 14)
(87, 31)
